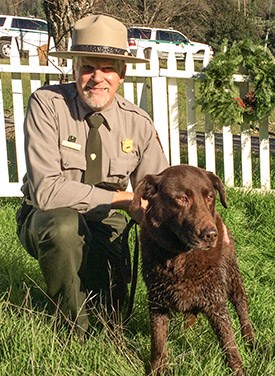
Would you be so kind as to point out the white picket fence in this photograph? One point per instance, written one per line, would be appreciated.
(163, 103)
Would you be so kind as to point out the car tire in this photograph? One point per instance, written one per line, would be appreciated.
(5, 48)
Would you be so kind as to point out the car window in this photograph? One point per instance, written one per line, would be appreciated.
(170, 36)
(139, 33)
(42, 26)
(29, 24)
(2, 20)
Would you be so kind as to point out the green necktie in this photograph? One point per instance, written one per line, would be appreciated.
(94, 150)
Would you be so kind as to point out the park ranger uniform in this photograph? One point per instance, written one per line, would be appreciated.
(55, 141)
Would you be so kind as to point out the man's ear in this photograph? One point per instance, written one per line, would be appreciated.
(122, 74)
(74, 65)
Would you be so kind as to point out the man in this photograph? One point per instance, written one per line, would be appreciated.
(68, 221)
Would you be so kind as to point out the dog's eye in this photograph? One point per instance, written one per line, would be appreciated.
(180, 201)
(210, 196)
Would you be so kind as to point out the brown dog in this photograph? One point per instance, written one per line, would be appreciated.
(188, 259)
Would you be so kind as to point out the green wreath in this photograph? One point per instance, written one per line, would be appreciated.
(219, 94)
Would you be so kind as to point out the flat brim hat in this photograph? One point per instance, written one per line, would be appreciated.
(99, 36)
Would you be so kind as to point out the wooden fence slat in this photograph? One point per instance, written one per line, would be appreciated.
(3, 145)
(246, 151)
(160, 111)
(264, 155)
(210, 151)
(173, 121)
(128, 88)
(142, 100)
(228, 156)
(18, 106)
(191, 123)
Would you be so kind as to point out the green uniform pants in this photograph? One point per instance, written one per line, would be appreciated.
(77, 258)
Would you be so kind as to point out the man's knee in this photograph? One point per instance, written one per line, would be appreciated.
(64, 224)
(61, 224)
(52, 229)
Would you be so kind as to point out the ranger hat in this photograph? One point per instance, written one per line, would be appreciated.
(99, 36)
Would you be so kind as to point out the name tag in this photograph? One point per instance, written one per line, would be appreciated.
(71, 145)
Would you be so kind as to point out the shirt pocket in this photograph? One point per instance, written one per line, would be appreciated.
(72, 159)
(123, 166)
(120, 169)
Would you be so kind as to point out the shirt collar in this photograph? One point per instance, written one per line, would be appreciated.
(108, 113)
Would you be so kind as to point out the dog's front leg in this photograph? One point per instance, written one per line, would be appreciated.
(220, 321)
(238, 298)
(159, 326)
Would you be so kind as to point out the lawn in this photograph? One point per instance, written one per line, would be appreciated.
(31, 345)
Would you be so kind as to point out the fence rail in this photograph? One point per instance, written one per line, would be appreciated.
(168, 94)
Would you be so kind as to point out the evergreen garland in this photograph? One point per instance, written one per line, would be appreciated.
(219, 94)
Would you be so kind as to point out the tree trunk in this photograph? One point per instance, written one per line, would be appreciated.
(62, 15)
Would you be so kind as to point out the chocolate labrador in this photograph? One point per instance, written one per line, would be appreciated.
(188, 259)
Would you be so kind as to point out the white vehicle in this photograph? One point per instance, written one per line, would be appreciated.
(165, 40)
(28, 32)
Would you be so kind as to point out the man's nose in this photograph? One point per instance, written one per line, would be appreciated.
(97, 74)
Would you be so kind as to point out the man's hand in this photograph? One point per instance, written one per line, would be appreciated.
(122, 200)
(138, 214)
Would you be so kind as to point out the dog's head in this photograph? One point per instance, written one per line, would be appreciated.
(181, 205)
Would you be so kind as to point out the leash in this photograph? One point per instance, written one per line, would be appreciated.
(131, 273)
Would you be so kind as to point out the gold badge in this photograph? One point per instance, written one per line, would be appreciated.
(127, 145)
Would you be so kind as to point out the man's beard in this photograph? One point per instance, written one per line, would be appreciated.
(95, 101)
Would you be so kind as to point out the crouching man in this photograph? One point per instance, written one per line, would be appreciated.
(83, 144)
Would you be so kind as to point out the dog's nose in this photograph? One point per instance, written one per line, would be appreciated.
(209, 234)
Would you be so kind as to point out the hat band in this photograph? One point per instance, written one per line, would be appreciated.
(99, 49)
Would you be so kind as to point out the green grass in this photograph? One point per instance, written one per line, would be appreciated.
(31, 345)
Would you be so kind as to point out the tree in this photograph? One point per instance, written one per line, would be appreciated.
(187, 16)
(62, 15)
(22, 8)
(227, 22)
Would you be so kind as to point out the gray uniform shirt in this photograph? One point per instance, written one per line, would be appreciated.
(55, 140)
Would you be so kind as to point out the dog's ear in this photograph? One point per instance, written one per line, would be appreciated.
(218, 185)
(146, 189)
